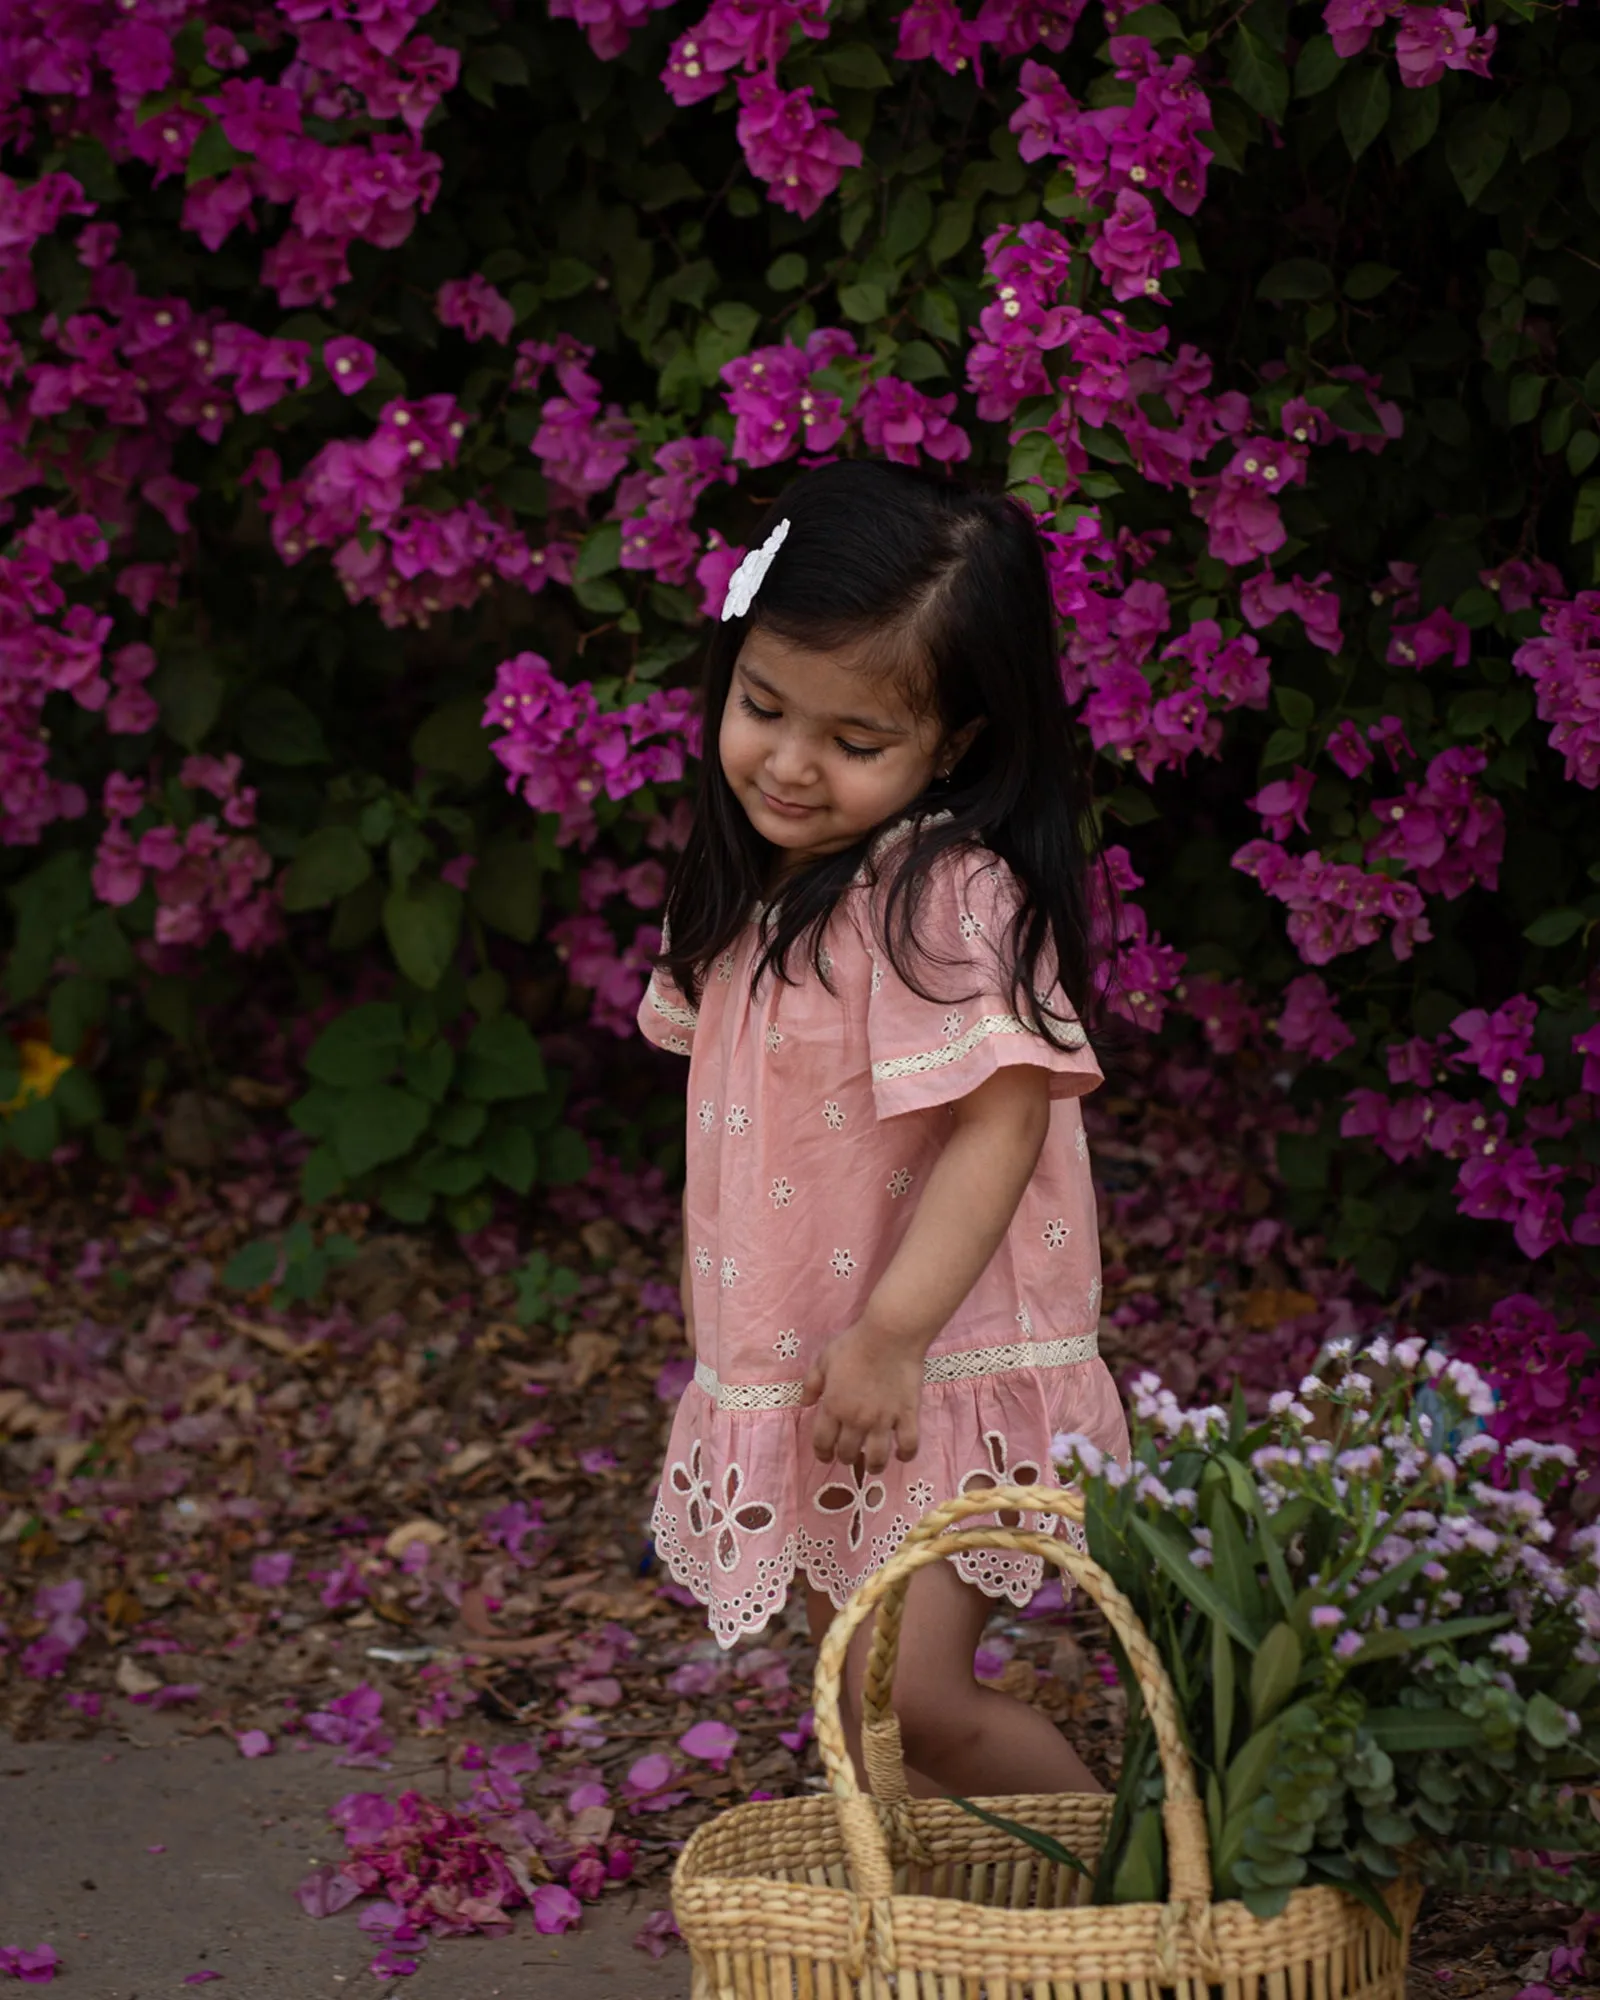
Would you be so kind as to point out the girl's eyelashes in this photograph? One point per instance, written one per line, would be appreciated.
(771, 715)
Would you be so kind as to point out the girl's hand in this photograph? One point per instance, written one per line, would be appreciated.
(867, 1391)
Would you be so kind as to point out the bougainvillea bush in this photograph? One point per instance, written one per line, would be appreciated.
(389, 394)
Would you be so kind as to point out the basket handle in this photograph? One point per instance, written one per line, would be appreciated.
(861, 1824)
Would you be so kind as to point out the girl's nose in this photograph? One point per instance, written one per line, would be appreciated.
(791, 761)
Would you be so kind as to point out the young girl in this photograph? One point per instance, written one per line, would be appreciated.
(877, 952)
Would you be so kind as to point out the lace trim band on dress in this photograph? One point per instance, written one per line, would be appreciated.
(682, 1017)
(960, 1367)
(1071, 1037)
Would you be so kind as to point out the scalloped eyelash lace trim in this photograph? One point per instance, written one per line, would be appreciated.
(959, 1367)
(680, 1017)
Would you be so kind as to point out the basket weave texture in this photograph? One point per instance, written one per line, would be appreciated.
(811, 1899)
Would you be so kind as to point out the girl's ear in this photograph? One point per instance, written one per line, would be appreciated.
(959, 742)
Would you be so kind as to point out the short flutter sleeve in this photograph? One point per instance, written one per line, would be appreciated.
(926, 1052)
(665, 1017)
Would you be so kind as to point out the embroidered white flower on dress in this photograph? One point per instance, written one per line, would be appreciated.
(970, 927)
(677, 1044)
(708, 1114)
(725, 966)
(733, 1514)
(952, 1024)
(748, 578)
(689, 1482)
(1025, 1321)
(842, 1263)
(702, 1260)
(999, 1471)
(1094, 1295)
(787, 1344)
(856, 1495)
(899, 1183)
(730, 1273)
(919, 1494)
(877, 975)
(1055, 1233)
(832, 1116)
(738, 1120)
(774, 1037)
(782, 1193)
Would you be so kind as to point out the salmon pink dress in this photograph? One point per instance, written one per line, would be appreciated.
(815, 1118)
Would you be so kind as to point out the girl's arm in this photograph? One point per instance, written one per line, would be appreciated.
(867, 1384)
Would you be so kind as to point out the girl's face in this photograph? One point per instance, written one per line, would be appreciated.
(818, 751)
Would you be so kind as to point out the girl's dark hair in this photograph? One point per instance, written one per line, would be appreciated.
(948, 587)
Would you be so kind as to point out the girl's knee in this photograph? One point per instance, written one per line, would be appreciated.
(932, 1717)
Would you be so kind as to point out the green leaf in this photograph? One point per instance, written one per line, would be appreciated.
(453, 740)
(376, 1125)
(1296, 707)
(952, 228)
(1223, 1691)
(189, 691)
(600, 553)
(1541, 116)
(1413, 121)
(1232, 1568)
(1139, 1872)
(1247, 1775)
(1257, 73)
(327, 865)
(1524, 397)
(856, 66)
(1394, 1639)
(567, 277)
(910, 219)
(1555, 927)
(501, 1060)
(935, 312)
(428, 1070)
(509, 1153)
(1586, 513)
(500, 63)
(1316, 66)
(1546, 1723)
(1273, 1673)
(458, 1123)
(862, 301)
(1421, 1729)
(505, 889)
(1284, 746)
(1366, 281)
(917, 361)
(253, 1265)
(1475, 147)
(423, 925)
(1041, 1843)
(1154, 23)
(1167, 1544)
(277, 727)
(35, 1130)
(77, 1007)
(102, 949)
(564, 1155)
(211, 154)
(787, 273)
(1363, 106)
(1296, 278)
(362, 1046)
(321, 1177)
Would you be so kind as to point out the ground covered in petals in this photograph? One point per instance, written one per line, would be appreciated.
(401, 1527)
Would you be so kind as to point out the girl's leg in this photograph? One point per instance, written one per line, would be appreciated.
(958, 1736)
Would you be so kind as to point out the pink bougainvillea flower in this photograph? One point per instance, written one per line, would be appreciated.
(712, 1742)
(351, 363)
(200, 1978)
(555, 1909)
(657, 1933)
(34, 1968)
(254, 1743)
(326, 1891)
(790, 144)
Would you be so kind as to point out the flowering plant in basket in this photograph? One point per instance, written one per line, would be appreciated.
(1385, 1652)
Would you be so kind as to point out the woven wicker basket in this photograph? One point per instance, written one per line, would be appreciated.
(809, 1899)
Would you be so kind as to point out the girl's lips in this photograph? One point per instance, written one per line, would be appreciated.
(785, 809)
